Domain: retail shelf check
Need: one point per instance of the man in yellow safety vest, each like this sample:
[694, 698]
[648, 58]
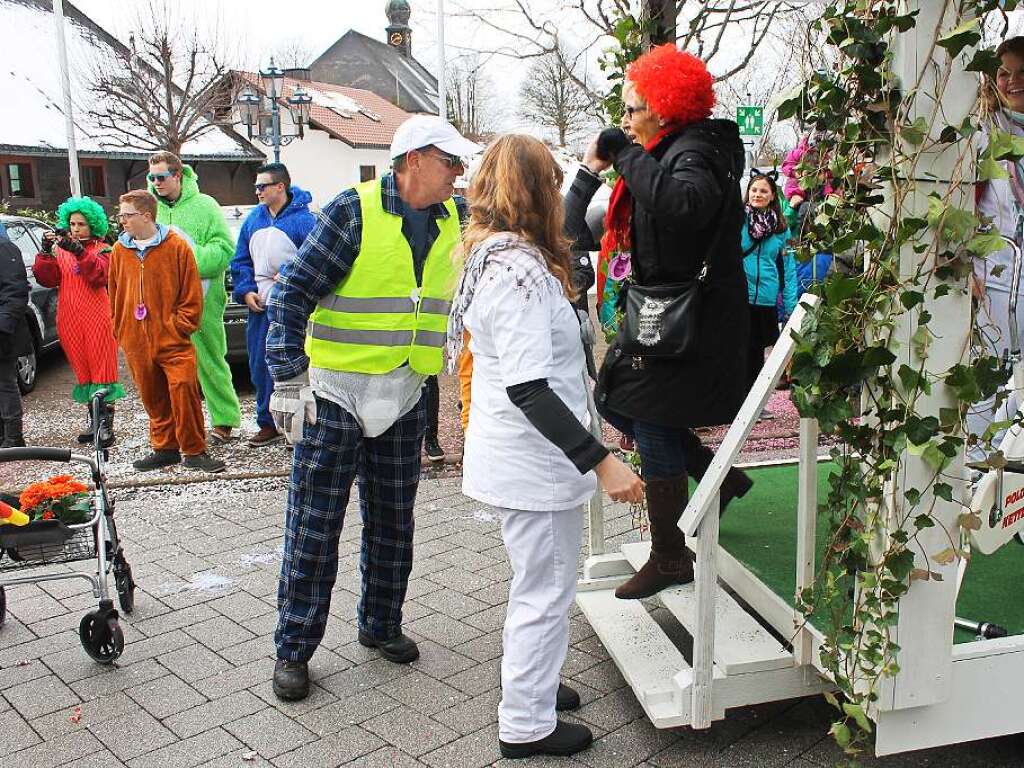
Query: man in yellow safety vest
[357, 322]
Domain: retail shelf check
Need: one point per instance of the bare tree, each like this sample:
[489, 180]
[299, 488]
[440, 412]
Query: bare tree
[530, 28]
[468, 89]
[551, 96]
[293, 53]
[165, 87]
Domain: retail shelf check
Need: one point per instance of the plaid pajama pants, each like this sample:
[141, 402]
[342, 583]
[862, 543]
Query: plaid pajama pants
[332, 452]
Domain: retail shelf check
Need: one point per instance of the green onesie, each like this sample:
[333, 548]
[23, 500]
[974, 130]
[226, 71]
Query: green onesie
[200, 217]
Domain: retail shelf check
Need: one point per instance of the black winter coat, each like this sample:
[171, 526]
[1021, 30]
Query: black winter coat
[687, 210]
[14, 289]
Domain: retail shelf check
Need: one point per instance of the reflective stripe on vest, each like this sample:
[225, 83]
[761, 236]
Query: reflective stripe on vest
[378, 318]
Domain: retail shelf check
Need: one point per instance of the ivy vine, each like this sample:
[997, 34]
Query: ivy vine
[845, 371]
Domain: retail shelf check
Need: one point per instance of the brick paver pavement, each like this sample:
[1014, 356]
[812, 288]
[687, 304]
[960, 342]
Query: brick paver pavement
[193, 685]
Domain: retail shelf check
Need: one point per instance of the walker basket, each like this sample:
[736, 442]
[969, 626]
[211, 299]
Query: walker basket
[44, 542]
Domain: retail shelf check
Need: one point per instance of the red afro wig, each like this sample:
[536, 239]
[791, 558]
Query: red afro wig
[675, 84]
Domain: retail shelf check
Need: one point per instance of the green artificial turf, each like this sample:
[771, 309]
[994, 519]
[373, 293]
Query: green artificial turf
[760, 531]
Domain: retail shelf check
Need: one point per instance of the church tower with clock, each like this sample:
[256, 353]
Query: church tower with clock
[399, 35]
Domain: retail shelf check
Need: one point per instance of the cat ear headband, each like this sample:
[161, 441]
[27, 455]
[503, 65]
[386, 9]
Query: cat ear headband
[772, 174]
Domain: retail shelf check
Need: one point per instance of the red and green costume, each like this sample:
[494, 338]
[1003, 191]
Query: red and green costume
[83, 315]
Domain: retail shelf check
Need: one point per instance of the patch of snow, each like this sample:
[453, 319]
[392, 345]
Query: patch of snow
[30, 85]
[200, 582]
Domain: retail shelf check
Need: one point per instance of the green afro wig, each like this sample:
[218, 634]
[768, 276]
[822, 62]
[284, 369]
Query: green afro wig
[89, 208]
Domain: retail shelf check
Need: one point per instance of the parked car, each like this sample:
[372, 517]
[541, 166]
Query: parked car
[235, 314]
[27, 234]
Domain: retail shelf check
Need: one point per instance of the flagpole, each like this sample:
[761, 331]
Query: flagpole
[442, 96]
[65, 84]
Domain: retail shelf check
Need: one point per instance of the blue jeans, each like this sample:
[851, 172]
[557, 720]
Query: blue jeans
[256, 328]
[662, 449]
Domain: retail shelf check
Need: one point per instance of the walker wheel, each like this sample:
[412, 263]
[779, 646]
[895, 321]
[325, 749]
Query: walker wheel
[125, 584]
[3, 606]
[101, 637]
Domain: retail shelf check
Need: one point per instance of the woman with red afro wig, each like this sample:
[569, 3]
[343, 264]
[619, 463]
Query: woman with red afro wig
[674, 217]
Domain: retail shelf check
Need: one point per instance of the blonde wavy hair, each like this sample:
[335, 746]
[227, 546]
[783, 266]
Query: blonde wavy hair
[517, 188]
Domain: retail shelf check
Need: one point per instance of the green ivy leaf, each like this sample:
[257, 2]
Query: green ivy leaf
[900, 564]
[915, 132]
[984, 61]
[841, 733]
[965, 35]
[984, 243]
[989, 169]
[943, 491]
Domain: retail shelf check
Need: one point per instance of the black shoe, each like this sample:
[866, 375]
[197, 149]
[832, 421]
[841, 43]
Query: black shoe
[399, 649]
[204, 462]
[16, 441]
[433, 449]
[566, 739]
[566, 699]
[735, 486]
[157, 460]
[85, 438]
[291, 680]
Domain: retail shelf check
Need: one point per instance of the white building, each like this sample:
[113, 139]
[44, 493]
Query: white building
[346, 141]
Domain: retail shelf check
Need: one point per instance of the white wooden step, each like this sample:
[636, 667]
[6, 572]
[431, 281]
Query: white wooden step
[643, 653]
[742, 645]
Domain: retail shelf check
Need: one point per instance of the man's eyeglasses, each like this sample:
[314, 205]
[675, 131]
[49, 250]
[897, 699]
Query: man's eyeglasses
[163, 176]
[261, 187]
[630, 111]
[122, 217]
[450, 160]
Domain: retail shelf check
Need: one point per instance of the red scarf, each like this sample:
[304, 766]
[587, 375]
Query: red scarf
[618, 220]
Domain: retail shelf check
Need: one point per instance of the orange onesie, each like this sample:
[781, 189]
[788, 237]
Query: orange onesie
[155, 304]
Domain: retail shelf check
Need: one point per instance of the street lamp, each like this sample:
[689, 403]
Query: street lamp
[250, 108]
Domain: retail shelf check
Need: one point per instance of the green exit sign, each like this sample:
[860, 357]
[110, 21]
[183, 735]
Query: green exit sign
[751, 120]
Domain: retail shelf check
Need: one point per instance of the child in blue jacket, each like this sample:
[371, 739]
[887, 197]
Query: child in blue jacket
[270, 238]
[769, 265]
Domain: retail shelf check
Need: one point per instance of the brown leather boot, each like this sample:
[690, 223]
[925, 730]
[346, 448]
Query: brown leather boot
[670, 562]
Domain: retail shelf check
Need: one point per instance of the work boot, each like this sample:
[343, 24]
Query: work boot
[433, 449]
[13, 437]
[204, 462]
[158, 460]
[107, 427]
[566, 739]
[399, 649]
[291, 680]
[266, 436]
[85, 438]
[670, 562]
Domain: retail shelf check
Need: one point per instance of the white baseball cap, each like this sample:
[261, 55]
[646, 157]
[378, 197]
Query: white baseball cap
[421, 131]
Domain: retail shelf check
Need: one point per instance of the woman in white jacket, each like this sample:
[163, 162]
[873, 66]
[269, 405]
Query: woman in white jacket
[528, 450]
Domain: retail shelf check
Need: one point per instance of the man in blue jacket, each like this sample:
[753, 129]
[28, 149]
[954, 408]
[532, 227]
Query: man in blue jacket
[270, 237]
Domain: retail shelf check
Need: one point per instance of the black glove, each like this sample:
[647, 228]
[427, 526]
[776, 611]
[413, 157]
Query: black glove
[72, 246]
[610, 142]
[48, 240]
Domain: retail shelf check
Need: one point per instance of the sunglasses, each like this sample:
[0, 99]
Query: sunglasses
[633, 110]
[261, 187]
[155, 177]
[450, 160]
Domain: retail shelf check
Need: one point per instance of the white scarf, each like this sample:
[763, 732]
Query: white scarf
[531, 276]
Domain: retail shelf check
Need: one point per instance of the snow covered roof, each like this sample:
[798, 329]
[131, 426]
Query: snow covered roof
[361, 119]
[30, 92]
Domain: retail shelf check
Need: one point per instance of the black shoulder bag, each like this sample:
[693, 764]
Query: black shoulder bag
[663, 320]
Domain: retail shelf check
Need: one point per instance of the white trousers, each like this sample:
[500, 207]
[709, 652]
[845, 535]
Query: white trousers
[994, 326]
[543, 548]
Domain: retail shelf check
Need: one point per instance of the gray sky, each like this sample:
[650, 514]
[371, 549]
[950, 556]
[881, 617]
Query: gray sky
[262, 24]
